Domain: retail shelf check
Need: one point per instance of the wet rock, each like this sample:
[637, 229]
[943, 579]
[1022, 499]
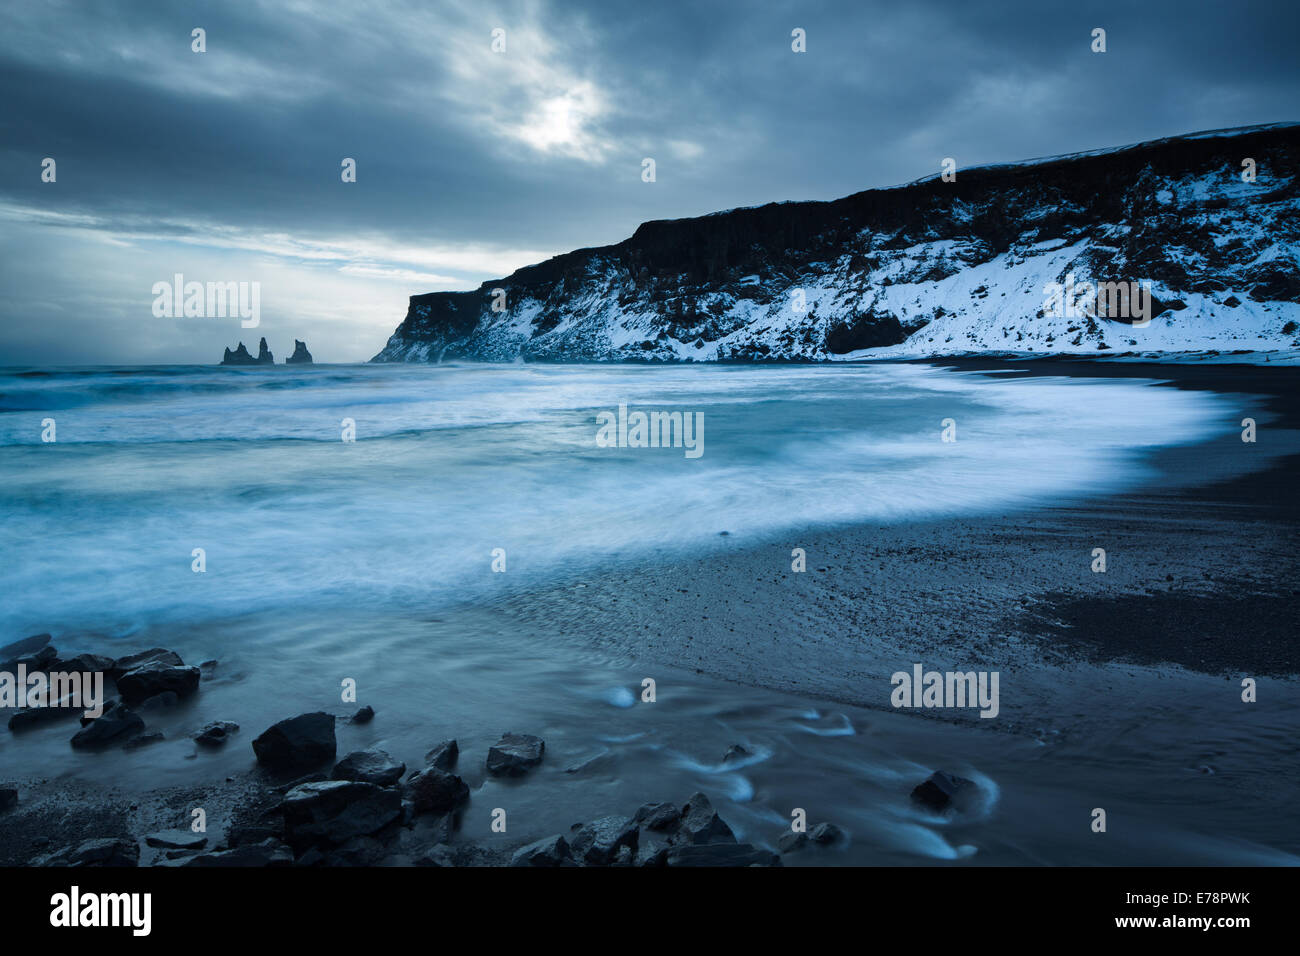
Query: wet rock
[598, 843]
[701, 823]
[176, 840]
[334, 811]
[369, 766]
[216, 733]
[39, 661]
[266, 853]
[551, 851]
[944, 791]
[359, 851]
[155, 654]
[38, 716]
[735, 752]
[721, 854]
[85, 664]
[250, 833]
[300, 354]
[791, 842]
[515, 754]
[103, 852]
[436, 791]
[827, 834]
[297, 742]
[115, 726]
[143, 740]
[156, 677]
[8, 798]
[28, 645]
[659, 816]
[239, 356]
[264, 356]
[363, 716]
[443, 755]
[208, 669]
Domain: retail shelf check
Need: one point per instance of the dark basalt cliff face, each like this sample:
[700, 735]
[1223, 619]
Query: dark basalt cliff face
[240, 355]
[931, 267]
[300, 354]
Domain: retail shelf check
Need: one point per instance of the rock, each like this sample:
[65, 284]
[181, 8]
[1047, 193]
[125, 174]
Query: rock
[943, 791]
[176, 840]
[8, 798]
[659, 816]
[297, 742]
[334, 811]
[39, 661]
[515, 754]
[132, 661]
[436, 791]
[266, 853]
[721, 854]
[36, 716]
[143, 740]
[551, 851]
[216, 733]
[239, 356]
[735, 752]
[108, 706]
[363, 716]
[114, 726]
[827, 834]
[247, 834]
[208, 668]
[701, 823]
[359, 851]
[300, 354]
[104, 852]
[28, 645]
[156, 677]
[791, 841]
[443, 755]
[369, 766]
[1232, 302]
[264, 356]
[86, 664]
[598, 843]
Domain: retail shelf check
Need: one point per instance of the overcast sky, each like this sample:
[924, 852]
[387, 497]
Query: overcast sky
[225, 165]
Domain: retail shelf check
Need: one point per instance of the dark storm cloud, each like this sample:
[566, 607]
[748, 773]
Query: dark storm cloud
[472, 163]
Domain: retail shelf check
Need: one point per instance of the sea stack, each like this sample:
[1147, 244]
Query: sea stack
[300, 354]
[264, 356]
[239, 356]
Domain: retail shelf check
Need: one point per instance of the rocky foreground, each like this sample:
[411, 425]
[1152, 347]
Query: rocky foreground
[306, 806]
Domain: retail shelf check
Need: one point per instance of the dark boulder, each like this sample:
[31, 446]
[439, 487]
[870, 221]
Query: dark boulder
[701, 823]
[176, 840]
[659, 816]
[114, 726]
[131, 661]
[154, 678]
[8, 798]
[443, 755]
[514, 755]
[216, 733]
[143, 740]
[28, 645]
[297, 742]
[436, 791]
[944, 791]
[267, 853]
[334, 811]
[369, 766]
[363, 716]
[85, 664]
[598, 843]
[551, 851]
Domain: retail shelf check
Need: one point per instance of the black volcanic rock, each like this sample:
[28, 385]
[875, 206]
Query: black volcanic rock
[942, 791]
[264, 356]
[514, 755]
[300, 354]
[154, 678]
[929, 267]
[297, 743]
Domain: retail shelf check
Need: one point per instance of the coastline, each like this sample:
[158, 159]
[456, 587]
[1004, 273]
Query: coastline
[1158, 638]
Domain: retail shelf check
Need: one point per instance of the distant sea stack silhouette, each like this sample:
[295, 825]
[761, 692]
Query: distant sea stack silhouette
[300, 354]
[240, 356]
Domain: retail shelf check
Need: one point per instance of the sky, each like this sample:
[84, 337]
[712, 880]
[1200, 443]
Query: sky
[226, 165]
